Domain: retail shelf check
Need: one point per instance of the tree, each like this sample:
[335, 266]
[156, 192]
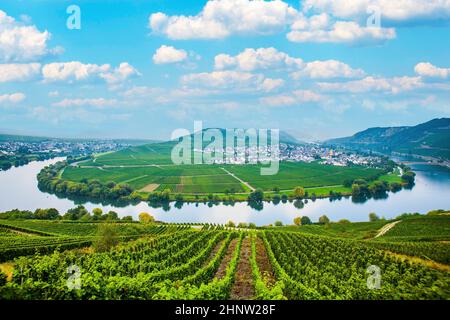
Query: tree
[252, 225]
[75, 213]
[97, 213]
[144, 217]
[324, 220]
[106, 238]
[231, 224]
[111, 216]
[373, 217]
[86, 217]
[127, 218]
[299, 192]
[348, 183]
[409, 177]
[242, 225]
[278, 223]
[299, 204]
[306, 220]
[343, 221]
[256, 196]
[298, 221]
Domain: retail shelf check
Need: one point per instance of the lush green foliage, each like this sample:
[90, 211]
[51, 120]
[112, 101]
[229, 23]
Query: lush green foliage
[314, 267]
[420, 228]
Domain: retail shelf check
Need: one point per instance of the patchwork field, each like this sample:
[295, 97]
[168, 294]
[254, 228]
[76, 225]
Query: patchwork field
[213, 179]
[308, 175]
[180, 179]
[149, 168]
[158, 153]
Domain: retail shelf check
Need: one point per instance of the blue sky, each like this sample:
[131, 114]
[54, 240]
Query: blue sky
[141, 69]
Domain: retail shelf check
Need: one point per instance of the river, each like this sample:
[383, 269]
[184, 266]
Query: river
[18, 189]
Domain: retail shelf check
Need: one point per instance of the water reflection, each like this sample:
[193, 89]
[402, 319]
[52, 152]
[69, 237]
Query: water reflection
[18, 189]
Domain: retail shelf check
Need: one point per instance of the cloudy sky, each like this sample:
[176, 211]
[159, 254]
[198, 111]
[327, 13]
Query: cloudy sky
[315, 68]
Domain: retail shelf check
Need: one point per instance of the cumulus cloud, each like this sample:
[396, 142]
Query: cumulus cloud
[12, 98]
[295, 97]
[373, 84]
[169, 54]
[94, 102]
[426, 69]
[321, 28]
[77, 71]
[221, 18]
[257, 59]
[274, 60]
[19, 72]
[327, 69]
[231, 80]
[393, 11]
[20, 42]
[123, 72]
[272, 84]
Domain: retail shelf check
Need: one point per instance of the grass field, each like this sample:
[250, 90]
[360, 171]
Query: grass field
[307, 175]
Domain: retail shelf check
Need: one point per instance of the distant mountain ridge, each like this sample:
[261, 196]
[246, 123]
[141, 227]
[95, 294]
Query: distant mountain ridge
[429, 139]
[284, 137]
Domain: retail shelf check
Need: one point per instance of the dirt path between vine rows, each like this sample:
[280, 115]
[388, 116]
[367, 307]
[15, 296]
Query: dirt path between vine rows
[226, 260]
[263, 262]
[214, 252]
[243, 287]
[386, 228]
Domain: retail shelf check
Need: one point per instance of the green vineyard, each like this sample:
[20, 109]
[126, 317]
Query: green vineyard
[212, 262]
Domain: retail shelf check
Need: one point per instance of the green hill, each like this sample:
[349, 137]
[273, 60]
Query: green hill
[429, 139]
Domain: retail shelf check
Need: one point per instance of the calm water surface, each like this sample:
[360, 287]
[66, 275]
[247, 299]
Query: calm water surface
[18, 189]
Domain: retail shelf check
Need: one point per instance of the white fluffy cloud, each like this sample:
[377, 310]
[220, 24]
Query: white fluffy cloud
[327, 69]
[426, 69]
[272, 84]
[20, 42]
[321, 28]
[231, 80]
[169, 54]
[77, 71]
[95, 102]
[74, 70]
[257, 59]
[123, 72]
[221, 18]
[12, 98]
[19, 72]
[295, 97]
[274, 60]
[372, 84]
[392, 10]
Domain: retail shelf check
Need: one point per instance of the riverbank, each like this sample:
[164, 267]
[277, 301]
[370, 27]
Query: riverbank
[429, 192]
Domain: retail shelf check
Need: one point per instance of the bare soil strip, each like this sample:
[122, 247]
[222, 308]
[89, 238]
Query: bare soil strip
[263, 262]
[243, 287]
[150, 187]
[226, 260]
[214, 252]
